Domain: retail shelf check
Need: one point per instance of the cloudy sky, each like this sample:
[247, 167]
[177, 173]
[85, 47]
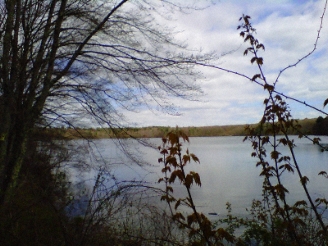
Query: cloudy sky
[288, 30]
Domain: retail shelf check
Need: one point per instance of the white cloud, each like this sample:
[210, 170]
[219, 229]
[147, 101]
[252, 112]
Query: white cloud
[288, 30]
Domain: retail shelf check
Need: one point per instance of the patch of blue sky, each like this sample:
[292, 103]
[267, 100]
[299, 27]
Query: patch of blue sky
[320, 53]
[301, 111]
[282, 26]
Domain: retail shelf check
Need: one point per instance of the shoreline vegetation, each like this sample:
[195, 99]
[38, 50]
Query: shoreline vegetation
[314, 126]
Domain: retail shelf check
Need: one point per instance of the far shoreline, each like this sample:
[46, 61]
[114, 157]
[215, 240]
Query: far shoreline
[307, 127]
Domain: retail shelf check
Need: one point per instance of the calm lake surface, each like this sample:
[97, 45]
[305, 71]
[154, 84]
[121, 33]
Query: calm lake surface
[227, 170]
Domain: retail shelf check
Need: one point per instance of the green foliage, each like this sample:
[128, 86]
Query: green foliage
[321, 126]
[34, 212]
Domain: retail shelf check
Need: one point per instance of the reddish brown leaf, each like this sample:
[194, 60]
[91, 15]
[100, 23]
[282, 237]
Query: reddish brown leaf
[188, 181]
[194, 158]
[256, 76]
[177, 204]
[197, 178]
[325, 102]
[304, 180]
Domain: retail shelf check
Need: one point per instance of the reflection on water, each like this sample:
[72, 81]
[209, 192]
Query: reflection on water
[226, 168]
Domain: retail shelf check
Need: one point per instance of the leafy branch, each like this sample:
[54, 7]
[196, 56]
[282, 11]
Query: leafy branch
[277, 119]
[200, 227]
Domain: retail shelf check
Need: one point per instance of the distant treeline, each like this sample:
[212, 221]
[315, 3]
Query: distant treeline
[313, 126]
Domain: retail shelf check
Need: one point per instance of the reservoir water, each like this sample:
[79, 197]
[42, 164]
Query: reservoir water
[228, 172]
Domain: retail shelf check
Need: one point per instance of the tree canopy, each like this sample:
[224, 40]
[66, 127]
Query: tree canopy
[66, 60]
